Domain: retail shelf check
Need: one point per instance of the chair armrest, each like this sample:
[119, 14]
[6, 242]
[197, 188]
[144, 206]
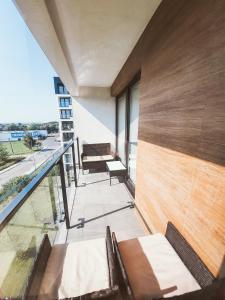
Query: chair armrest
[111, 259]
[38, 269]
[114, 291]
[129, 292]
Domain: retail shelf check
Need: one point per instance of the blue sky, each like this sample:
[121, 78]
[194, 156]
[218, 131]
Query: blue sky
[26, 76]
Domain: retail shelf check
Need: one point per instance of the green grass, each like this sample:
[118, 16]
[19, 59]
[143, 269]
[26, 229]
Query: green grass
[22, 236]
[15, 148]
[10, 162]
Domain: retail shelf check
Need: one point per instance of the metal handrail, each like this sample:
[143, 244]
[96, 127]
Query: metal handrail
[9, 211]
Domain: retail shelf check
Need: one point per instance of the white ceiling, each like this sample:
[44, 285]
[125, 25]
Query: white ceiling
[96, 36]
[100, 34]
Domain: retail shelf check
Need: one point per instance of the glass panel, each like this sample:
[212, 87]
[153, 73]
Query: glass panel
[20, 239]
[61, 89]
[12, 187]
[121, 128]
[69, 178]
[133, 131]
[65, 102]
[66, 113]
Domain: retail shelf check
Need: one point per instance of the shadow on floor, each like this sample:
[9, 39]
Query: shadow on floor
[85, 184]
[83, 221]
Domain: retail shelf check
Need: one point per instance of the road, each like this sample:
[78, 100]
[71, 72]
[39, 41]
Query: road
[30, 163]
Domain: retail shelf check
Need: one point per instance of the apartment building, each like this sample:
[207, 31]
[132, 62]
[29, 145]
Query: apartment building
[66, 120]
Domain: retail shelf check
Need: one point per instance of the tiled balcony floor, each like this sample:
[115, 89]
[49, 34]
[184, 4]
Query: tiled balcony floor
[97, 204]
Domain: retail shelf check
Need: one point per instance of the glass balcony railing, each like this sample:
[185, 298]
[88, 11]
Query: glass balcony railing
[39, 208]
[67, 138]
[69, 127]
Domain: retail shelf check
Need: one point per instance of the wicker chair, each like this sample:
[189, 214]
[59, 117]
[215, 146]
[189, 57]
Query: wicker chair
[95, 156]
[35, 283]
[209, 286]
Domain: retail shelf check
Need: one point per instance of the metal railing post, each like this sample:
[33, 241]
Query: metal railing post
[78, 152]
[63, 184]
[74, 165]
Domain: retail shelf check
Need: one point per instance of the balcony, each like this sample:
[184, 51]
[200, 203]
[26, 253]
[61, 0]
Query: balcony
[67, 136]
[97, 205]
[67, 205]
[157, 97]
[67, 126]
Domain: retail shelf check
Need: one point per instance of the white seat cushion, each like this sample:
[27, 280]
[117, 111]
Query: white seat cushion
[154, 268]
[98, 158]
[75, 269]
[167, 266]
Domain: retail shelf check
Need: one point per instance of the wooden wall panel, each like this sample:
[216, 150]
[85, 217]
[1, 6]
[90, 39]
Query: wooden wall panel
[181, 150]
[187, 191]
[183, 83]
[148, 39]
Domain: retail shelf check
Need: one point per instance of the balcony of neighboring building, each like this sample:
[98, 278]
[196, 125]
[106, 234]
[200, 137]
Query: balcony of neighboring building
[67, 136]
[67, 126]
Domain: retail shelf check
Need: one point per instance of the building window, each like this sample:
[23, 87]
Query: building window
[67, 158]
[66, 113]
[65, 102]
[133, 131]
[67, 125]
[61, 89]
[121, 134]
[67, 136]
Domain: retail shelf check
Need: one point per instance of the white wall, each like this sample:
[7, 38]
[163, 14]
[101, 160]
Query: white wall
[94, 116]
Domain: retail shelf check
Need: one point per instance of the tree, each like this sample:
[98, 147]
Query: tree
[35, 126]
[4, 155]
[15, 184]
[29, 141]
[12, 127]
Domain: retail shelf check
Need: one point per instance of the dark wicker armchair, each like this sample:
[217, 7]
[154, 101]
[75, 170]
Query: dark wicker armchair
[43, 284]
[209, 287]
[95, 156]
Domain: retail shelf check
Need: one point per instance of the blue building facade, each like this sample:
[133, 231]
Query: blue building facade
[19, 135]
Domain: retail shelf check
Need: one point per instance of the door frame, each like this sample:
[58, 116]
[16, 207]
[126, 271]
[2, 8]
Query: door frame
[130, 185]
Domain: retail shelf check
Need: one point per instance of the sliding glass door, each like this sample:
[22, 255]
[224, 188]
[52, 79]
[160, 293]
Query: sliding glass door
[127, 129]
[121, 127]
[133, 131]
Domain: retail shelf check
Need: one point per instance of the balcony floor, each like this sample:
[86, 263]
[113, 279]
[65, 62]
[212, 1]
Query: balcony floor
[95, 204]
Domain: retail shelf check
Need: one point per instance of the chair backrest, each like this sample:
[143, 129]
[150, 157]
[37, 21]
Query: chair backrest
[38, 269]
[96, 149]
[189, 257]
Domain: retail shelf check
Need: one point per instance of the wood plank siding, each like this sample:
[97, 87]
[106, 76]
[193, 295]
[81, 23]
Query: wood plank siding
[181, 148]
